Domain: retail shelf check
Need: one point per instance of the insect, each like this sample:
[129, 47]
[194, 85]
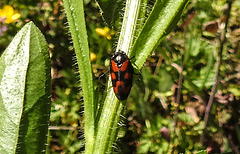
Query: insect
[122, 72]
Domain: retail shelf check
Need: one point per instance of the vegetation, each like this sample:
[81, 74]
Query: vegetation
[186, 92]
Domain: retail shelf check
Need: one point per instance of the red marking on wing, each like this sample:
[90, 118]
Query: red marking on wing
[114, 66]
[127, 75]
[113, 76]
[118, 83]
[125, 65]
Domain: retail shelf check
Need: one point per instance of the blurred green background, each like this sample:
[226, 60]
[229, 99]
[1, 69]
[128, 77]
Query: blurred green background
[148, 124]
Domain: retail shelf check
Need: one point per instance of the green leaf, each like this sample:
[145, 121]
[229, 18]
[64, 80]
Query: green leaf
[202, 53]
[75, 15]
[202, 152]
[25, 91]
[161, 21]
[109, 10]
[186, 118]
[234, 89]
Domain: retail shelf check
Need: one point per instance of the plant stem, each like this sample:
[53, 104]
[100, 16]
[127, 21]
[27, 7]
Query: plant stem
[175, 118]
[110, 114]
[219, 60]
[128, 26]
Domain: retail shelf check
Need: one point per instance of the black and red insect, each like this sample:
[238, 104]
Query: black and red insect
[122, 72]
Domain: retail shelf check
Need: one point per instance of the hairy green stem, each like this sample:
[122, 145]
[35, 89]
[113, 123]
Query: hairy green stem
[112, 108]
